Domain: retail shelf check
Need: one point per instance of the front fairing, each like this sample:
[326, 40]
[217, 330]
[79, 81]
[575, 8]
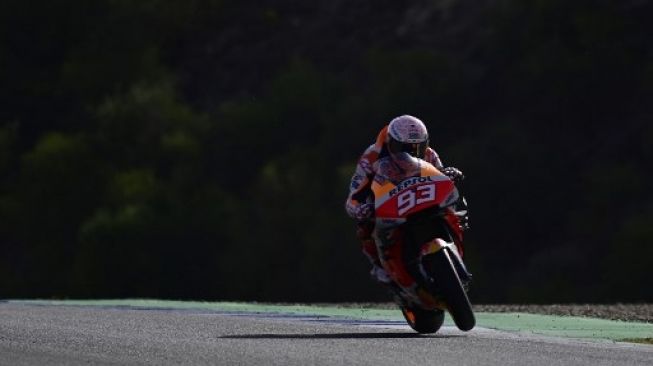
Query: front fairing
[394, 203]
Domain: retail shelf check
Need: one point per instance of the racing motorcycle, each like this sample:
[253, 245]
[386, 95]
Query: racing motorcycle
[419, 235]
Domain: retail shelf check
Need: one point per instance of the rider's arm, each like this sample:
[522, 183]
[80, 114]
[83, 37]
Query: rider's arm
[454, 173]
[432, 157]
[361, 182]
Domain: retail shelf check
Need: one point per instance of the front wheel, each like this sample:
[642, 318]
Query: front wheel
[447, 284]
[423, 321]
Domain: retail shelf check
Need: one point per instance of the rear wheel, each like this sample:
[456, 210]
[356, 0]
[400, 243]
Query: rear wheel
[423, 321]
[447, 284]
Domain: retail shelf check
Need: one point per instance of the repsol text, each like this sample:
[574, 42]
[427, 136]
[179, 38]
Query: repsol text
[409, 182]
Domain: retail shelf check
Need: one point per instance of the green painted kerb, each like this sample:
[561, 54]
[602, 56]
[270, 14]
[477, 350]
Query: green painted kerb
[567, 326]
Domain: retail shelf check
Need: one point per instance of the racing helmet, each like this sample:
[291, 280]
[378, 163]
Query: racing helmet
[407, 134]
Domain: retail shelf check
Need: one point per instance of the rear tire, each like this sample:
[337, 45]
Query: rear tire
[423, 321]
[447, 284]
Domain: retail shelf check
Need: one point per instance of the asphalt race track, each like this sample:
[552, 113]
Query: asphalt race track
[79, 335]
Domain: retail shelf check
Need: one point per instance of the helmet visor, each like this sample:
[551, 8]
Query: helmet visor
[414, 149]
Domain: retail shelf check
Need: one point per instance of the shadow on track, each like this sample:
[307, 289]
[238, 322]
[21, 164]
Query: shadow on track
[337, 336]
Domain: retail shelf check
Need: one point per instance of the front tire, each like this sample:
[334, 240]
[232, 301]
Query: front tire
[447, 284]
[423, 321]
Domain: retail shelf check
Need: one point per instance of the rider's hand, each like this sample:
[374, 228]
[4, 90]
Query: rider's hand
[364, 211]
[453, 173]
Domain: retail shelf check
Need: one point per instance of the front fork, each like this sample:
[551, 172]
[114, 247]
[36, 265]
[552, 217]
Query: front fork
[437, 245]
[452, 218]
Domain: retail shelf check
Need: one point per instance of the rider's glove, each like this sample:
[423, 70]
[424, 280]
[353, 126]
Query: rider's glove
[453, 173]
[364, 211]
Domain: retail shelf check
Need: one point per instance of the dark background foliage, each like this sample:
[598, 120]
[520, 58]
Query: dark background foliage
[202, 149]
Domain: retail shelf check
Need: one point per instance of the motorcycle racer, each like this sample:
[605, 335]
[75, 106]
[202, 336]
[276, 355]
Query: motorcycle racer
[403, 135]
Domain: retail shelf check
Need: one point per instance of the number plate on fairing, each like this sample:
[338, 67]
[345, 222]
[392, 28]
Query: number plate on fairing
[412, 195]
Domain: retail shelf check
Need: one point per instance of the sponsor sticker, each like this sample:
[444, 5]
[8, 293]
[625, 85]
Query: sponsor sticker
[409, 182]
